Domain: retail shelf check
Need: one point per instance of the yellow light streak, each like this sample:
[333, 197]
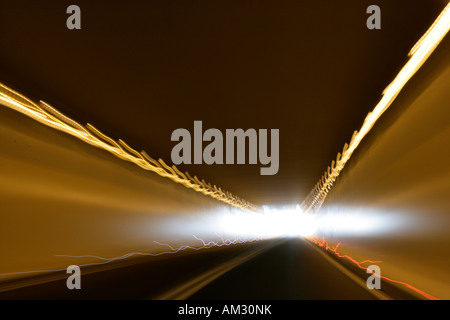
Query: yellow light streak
[418, 55]
[48, 115]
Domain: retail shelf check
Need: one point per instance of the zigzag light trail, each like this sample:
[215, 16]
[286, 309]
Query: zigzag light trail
[206, 245]
[173, 250]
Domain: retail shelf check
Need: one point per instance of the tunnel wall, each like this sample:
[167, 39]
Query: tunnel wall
[61, 196]
[396, 188]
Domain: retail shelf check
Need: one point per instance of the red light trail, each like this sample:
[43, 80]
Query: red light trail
[324, 244]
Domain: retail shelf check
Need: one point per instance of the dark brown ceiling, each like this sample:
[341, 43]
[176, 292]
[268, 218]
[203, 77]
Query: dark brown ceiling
[140, 69]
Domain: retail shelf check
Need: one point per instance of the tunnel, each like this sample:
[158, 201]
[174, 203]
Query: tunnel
[225, 151]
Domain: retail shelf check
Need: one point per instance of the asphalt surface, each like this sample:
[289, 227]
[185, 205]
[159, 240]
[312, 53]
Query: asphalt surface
[292, 269]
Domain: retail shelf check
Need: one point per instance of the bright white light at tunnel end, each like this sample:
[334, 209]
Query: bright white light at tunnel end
[272, 222]
[291, 221]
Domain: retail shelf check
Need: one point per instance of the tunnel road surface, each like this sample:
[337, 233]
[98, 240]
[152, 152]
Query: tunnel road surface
[290, 269]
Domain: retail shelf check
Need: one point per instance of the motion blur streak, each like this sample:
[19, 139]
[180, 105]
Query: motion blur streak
[418, 55]
[322, 243]
[49, 116]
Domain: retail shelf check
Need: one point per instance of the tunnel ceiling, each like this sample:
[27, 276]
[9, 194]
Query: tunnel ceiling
[141, 69]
